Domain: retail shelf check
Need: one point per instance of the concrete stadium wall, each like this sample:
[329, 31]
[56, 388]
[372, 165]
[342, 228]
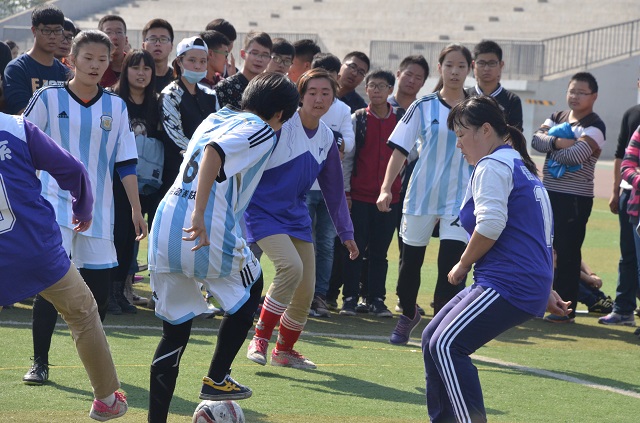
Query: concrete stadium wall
[617, 86]
[617, 91]
[17, 27]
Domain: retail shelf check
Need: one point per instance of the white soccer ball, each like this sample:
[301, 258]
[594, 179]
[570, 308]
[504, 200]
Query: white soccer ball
[218, 412]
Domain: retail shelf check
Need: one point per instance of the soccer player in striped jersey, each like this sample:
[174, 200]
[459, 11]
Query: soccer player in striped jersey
[435, 189]
[221, 169]
[507, 213]
[30, 235]
[93, 125]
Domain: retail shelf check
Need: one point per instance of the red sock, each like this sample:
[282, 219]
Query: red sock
[269, 317]
[288, 333]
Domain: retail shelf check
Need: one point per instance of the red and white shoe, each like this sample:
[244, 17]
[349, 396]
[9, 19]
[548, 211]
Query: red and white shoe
[257, 351]
[292, 359]
[103, 412]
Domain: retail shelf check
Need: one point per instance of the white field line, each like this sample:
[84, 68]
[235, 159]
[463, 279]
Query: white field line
[480, 358]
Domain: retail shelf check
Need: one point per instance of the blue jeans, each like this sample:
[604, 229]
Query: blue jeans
[589, 295]
[625, 302]
[323, 233]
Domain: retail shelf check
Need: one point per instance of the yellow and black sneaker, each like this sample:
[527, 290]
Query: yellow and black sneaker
[228, 389]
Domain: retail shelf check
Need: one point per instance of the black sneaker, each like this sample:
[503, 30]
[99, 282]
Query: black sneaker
[603, 306]
[228, 389]
[349, 306]
[37, 374]
[379, 308]
[332, 303]
[362, 307]
[127, 307]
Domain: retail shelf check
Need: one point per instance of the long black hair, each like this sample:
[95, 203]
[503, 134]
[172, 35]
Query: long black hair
[123, 89]
[476, 111]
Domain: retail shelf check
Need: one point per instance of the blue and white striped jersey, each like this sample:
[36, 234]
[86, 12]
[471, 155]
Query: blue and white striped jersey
[440, 177]
[245, 143]
[98, 134]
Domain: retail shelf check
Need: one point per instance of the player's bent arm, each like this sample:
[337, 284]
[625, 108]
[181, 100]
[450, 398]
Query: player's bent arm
[478, 246]
[209, 169]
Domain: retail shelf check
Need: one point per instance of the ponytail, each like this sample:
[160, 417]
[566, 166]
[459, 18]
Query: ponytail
[519, 143]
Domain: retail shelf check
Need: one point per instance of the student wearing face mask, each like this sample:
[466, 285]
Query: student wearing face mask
[184, 104]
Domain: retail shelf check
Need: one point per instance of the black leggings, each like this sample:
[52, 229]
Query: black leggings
[45, 316]
[409, 275]
[166, 360]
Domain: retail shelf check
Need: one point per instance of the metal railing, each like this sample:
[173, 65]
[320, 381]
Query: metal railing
[531, 60]
[583, 49]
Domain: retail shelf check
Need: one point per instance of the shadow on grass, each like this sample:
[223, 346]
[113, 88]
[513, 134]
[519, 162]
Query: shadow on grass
[348, 386]
[586, 377]
[586, 327]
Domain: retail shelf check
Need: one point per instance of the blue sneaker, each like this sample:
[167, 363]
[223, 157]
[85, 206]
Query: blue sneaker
[402, 332]
[618, 319]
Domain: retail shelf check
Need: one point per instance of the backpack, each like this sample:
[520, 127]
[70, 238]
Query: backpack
[150, 164]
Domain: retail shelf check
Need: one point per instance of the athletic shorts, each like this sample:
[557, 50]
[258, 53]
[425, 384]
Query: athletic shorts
[416, 230]
[179, 297]
[87, 252]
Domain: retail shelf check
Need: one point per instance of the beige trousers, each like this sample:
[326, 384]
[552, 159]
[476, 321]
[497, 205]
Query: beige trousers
[295, 279]
[74, 301]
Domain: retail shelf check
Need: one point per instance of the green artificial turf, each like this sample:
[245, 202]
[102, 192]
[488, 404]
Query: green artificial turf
[537, 372]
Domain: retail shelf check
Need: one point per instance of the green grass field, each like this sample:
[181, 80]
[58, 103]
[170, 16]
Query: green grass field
[537, 372]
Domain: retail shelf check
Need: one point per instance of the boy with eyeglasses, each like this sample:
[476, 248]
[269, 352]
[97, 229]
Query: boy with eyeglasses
[218, 45]
[364, 168]
[282, 55]
[64, 48]
[158, 40]
[355, 66]
[487, 68]
[256, 54]
[38, 67]
[571, 189]
[116, 29]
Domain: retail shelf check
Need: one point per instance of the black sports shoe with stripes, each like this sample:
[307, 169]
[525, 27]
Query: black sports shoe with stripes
[37, 374]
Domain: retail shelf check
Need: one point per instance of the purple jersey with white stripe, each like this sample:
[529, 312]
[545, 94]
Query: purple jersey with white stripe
[31, 253]
[519, 265]
[278, 206]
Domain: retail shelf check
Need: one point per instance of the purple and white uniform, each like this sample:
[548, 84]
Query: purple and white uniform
[32, 257]
[278, 205]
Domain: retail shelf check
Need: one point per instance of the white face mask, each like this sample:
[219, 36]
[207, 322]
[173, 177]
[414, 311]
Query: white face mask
[193, 77]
